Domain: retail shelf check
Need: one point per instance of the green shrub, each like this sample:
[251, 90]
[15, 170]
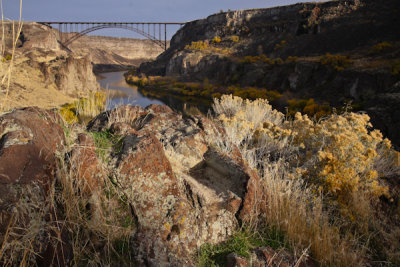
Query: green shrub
[241, 244]
[105, 141]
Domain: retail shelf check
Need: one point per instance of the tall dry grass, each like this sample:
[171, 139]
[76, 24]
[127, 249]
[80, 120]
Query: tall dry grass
[7, 64]
[91, 222]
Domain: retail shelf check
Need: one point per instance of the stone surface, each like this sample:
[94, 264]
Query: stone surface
[29, 141]
[86, 165]
[234, 260]
[183, 192]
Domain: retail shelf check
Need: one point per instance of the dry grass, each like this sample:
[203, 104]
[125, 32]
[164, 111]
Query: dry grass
[7, 64]
[94, 225]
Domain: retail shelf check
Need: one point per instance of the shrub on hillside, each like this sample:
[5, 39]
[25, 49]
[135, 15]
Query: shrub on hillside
[200, 45]
[235, 38]
[379, 47]
[322, 179]
[216, 40]
[338, 62]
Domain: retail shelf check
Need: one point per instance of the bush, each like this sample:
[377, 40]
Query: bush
[241, 244]
[291, 59]
[216, 40]
[280, 45]
[200, 45]
[379, 48]
[395, 68]
[322, 180]
[338, 62]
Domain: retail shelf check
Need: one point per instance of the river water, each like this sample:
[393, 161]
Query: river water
[121, 93]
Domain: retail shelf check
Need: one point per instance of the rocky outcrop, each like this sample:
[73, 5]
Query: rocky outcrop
[305, 32]
[104, 52]
[108, 52]
[183, 192]
[32, 36]
[48, 78]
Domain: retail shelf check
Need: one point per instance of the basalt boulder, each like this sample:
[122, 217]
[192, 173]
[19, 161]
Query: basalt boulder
[183, 192]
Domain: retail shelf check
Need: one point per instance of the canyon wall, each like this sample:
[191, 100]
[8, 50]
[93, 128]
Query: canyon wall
[41, 73]
[116, 51]
[337, 52]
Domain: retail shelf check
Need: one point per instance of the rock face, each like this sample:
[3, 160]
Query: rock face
[29, 139]
[306, 31]
[48, 78]
[183, 192]
[103, 51]
[112, 51]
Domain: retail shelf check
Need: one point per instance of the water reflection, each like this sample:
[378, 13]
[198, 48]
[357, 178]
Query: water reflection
[121, 93]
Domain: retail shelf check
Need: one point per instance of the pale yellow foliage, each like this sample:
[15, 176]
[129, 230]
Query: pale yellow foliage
[310, 169]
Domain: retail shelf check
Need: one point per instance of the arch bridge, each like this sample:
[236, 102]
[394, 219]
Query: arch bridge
[71, 31]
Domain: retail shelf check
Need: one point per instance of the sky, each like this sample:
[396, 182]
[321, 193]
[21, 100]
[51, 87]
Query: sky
[127, 10]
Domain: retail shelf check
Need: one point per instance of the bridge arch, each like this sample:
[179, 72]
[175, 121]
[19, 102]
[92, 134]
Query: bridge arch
[67, 28]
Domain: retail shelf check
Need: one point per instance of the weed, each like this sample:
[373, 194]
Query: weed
[105, 141]
[240, 243]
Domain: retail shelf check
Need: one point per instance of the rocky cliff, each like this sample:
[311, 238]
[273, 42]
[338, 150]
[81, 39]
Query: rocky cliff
[286, 49]
[42, 74]
[108, 51]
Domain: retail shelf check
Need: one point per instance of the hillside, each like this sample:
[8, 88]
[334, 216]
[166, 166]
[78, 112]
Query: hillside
[326, 54]
[113, 52]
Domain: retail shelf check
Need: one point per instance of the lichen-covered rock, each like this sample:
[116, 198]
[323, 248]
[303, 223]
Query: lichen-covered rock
[29, 140]
[86, 165]
[183, 193]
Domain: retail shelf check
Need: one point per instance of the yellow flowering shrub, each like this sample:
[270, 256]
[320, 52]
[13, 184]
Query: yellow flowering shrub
[200, 45]
[235, 38]
[216, 39]
[337, 154]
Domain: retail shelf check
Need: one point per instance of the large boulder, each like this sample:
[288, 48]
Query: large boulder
[182, 191]
[29, 141]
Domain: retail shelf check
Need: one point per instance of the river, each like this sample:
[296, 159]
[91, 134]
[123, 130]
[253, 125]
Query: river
[121, 93]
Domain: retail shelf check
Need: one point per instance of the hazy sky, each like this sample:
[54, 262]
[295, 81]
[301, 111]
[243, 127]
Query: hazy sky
[127, 10]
